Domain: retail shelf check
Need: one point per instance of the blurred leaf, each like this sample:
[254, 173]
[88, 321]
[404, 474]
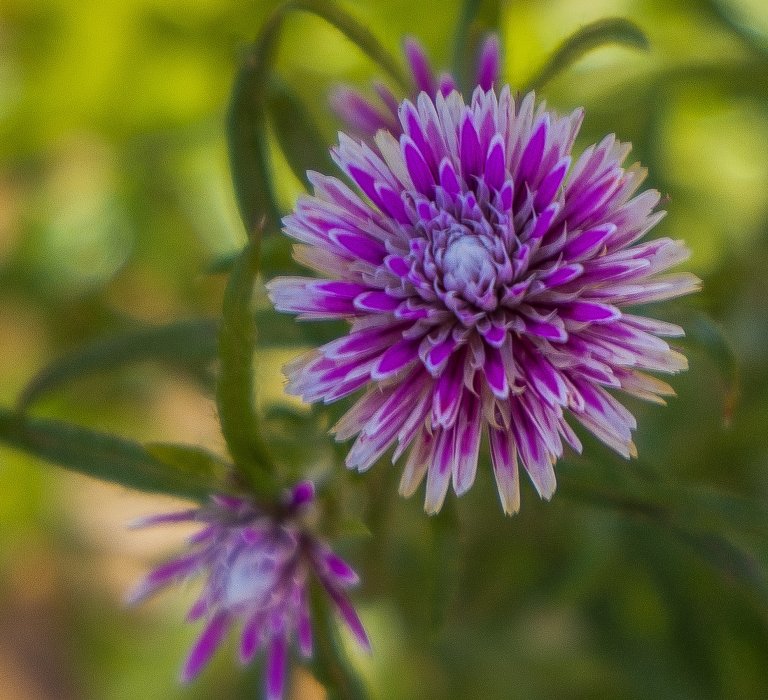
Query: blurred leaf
[735, 564]
[104, 456]
[235, 395]
[351, 527]
[728, 15]
[195, 461]
[248, 151]
[593, 36]
[298, 135]
[717, 525]
[189, 345]
[703, 332]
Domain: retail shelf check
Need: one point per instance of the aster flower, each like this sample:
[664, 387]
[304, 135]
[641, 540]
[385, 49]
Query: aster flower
[365, 118]
[257, 570]
[487, 280]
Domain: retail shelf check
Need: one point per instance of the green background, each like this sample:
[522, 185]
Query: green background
[114, 199]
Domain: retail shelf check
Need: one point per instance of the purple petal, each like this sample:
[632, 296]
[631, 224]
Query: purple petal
[591, 312]
[340, 570]
[488, 65]
[277, 659]
[349, 615]
[504, 458]
[376, 302]
[397, 358]
[471, 156]
[449, 181]
[495, 373]
[301, 494]
[531, 158]
[205, 646]
[495, 163]
[417, 167]
[420, 68]
[251, 638]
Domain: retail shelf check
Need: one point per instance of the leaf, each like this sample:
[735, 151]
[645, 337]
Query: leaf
[352, 528]
[189, 345]
[703, 332]
[717, 525]
[734, 19]
[195, 461]
[248, 151]
[593, 36]
[298, 135]
[104, 456]
[732, 561]
[235, 394]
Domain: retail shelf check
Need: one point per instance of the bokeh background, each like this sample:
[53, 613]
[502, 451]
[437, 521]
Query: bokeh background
[115, 198]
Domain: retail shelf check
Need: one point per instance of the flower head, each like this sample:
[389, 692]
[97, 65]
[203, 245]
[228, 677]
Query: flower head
[487, 280]
[365, 118]
[257, 570]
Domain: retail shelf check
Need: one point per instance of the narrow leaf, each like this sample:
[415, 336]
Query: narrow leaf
[736, 565]
[188, 345]
[703, 332]
[604, 32]
[190, 459]
[104, 456]
[298, 135]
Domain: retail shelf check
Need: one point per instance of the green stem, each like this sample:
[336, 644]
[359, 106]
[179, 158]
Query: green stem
[235, 392]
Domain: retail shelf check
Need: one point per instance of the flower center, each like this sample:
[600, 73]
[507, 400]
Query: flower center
[251, 578]
[467, 265]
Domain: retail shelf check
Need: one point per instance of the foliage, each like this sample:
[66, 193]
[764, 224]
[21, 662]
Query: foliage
[639, 580]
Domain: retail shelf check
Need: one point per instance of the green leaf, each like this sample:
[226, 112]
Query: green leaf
[734, 563]
[719, 526]
[593, 36]
[729, 15]
[190, 459]
[188, 345]
[248, 151]
[235, 393]
[703, 332]
[298, 135]
[104, 456]
[352, 528]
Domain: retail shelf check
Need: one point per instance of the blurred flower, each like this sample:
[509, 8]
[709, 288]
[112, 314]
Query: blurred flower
[256, 570]
[365, 118]
[486, 280]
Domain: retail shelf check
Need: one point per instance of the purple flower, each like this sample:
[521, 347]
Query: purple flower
[257, 571]
[487, 280]
[365, 118]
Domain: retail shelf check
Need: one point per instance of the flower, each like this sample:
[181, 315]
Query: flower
[487, 280]
[257, 569]
[365, 118]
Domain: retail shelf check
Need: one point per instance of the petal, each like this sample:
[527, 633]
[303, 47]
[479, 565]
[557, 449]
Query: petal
[504, 459]
[205, 646]
[276, 667]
